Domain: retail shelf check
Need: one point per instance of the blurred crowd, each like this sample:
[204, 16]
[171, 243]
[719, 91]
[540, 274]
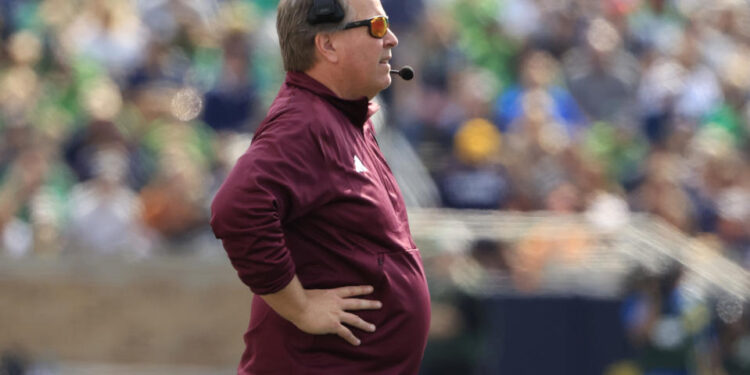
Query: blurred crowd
[119, 119]
[586, 106]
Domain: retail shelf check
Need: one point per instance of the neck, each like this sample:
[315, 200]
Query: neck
[334, 80]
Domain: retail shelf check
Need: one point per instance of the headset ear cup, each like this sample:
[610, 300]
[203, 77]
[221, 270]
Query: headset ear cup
[325, 11]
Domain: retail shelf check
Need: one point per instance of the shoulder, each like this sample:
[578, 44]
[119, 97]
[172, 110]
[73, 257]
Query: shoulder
[295, 113]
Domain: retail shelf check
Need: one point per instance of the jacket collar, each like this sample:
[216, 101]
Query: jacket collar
[357, 111]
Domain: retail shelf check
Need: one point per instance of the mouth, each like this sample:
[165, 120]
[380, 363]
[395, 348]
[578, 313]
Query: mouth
[386, 61]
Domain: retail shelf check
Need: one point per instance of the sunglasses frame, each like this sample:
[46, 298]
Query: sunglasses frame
[368, 22]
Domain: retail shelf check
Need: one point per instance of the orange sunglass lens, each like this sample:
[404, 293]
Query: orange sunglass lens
[379, 26]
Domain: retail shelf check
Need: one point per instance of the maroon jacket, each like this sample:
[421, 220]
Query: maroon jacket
[314, 196]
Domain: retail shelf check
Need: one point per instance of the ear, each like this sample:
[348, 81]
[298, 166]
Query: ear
[326, 47]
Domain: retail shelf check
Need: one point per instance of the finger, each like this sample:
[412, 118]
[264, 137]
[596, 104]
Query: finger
[360, 304]
[347, 335]
[355, 290]
[357, 322]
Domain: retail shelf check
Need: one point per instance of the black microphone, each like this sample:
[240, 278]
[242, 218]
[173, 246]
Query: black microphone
[406, 73]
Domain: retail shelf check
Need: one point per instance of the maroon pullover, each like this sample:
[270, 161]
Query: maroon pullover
[313, 196]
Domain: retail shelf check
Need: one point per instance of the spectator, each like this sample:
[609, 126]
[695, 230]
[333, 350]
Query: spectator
[105, 213]
[539, 71]
[655, 316]
[601, 75]
[232, 103]
[475, 179]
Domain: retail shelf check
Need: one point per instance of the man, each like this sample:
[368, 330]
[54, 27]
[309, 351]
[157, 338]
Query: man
[311, 216]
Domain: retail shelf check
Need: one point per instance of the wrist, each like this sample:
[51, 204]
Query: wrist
[296, 313]
[291, 302]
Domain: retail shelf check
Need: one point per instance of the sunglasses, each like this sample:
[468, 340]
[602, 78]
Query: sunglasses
[377, 26]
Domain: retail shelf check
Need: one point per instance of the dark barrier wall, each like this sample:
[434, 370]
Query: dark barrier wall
[531, 336]
[555, 335]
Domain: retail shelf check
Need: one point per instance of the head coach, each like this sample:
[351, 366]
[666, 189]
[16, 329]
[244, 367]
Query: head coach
[311, 216]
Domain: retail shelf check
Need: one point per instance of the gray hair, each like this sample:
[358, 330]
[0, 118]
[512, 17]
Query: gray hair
[297, 37]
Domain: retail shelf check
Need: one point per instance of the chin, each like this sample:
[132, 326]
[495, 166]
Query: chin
[388, 81]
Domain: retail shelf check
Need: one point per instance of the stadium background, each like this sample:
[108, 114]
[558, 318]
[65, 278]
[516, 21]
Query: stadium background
[576, 170]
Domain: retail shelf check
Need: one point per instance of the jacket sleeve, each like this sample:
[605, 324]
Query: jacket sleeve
[279, 178]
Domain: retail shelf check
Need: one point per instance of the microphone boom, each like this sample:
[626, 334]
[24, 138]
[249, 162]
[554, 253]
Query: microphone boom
[406, 73]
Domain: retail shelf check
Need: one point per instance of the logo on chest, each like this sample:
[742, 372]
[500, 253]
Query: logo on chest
[358, 166]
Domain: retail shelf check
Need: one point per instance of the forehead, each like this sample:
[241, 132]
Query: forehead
[366, 8]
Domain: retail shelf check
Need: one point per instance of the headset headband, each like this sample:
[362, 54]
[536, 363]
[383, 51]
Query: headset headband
[325, 11]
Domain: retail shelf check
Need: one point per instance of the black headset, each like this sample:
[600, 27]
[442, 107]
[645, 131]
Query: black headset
[325, 11]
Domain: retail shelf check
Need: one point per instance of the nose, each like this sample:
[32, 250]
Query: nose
[390, 39]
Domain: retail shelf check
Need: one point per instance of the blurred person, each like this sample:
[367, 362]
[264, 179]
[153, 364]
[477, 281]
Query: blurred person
[454, 337]
[80, 147]
[538, 71]
[601, 75]
[735, 85]
[716, 167]
[22, 179]
[733, 224]
[590, 176]
[429, 113]
[537, 131]
[107, 119]
[701, 92]
[657, 93]
[474, 178]
[425, 110]
[174, 197]
[654, 24]
[620, 148]
[33, 198]
[20, 84]
[458, 335]
[15, 138]
[473, 89]
[662, 191]
[535, 144]
[312, 218]
[105, 214]
[681, 93]
[520, 19]
[232, 104]
[162, 62]
[723, 30]
[482, 38]
[162, 18]
[559, 29]
[109, 32]
[664, 326]
[151, 122]
[457, 94]
[435, 51]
